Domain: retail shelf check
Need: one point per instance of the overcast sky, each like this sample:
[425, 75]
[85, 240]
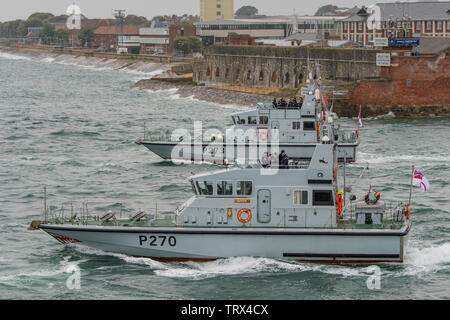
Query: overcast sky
[21, 9]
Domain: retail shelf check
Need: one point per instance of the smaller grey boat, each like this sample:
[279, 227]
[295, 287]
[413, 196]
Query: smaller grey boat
[269, 128]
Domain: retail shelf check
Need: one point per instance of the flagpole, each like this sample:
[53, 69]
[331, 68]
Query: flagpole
[411, 186]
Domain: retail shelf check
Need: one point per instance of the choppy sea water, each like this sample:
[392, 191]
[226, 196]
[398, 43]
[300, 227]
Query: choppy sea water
[71, 126]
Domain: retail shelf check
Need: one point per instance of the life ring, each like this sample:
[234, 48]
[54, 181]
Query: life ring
[249, 215]
[357, 133]
[263, 136]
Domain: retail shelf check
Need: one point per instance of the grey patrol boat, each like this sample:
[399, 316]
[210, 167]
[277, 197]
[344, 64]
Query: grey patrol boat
[289, 213]
[296, 130]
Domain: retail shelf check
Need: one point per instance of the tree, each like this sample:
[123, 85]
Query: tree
[195, 44]
[329, 8]
[58, 19]
[43, 16]
[34, 23]
[47, 33]
[61, 36]
[86, 36]
[181, 44]
[135, 20]
[188, 44]
[246, 11]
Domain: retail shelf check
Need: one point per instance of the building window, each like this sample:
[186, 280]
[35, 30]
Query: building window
[244, 188]
[360, 26]
[439, 25]
[261, 76]
[218, 6]
[429, 26]
[296, 125]
[418, 25]
[252, 120]
[351, 26]
[219, 13]
[300, 197]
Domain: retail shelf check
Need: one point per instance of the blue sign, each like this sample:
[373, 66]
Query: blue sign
[403, 42]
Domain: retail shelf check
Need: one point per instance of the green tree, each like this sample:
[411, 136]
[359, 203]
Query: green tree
[195, 44]
[181, 44]
[43, 16]
[61, 36]
[246, 11]
[188, 44]
[58, 19]
[47, 33]
[34, 23]
[86, 36]
[329, 8]
[158, 18]
[135, 20]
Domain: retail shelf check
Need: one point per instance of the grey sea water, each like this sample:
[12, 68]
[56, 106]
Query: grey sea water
[71, 126]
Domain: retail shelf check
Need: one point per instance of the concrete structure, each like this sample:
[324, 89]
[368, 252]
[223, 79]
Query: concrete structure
[282, 67]
[216, 9]
[276, 27]
[399, 19]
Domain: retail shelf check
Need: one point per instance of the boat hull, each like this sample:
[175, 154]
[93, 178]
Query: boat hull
[203, 244]
[227, 153]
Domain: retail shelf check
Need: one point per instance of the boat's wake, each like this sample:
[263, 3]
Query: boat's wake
[419, 261]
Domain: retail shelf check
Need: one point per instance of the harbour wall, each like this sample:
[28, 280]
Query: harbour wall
[281, 67]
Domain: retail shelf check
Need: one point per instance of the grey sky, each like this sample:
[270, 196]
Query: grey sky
[21, 9]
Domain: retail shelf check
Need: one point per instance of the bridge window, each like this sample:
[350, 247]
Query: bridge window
[217, 72]
[263, 120]
[244, 188]
[208, 72]
[309, 126]
[249, 75]
[261, 76]
[300, 197]
[224, 188]
[274, 77]
[296, 125]
[239, 120]
[286, 80]
[323, 198]
[252, 120]
[205, 188]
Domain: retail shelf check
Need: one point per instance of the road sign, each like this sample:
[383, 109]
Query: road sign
[403, 42]
[380, 42]
[383, 59]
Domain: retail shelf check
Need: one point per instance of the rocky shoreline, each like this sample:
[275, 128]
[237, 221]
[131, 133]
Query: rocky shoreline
[188, 89]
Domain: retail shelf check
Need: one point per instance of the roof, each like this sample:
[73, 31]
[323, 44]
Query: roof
[270, 20]
[93, 23]
[126, 29]
[426, 10]
[433, 45]
[299, 36]
[422, 10]
[340, 43]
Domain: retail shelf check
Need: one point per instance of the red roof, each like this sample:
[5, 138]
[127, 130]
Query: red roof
[127, 29]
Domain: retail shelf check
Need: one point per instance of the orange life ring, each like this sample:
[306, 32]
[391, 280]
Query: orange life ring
[249, 215]
[263, 136]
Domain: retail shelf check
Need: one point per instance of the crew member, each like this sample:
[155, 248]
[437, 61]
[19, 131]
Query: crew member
[284, 160]
[340, 203]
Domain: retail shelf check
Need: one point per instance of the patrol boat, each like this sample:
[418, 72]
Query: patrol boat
[294, 213]
[295, 130]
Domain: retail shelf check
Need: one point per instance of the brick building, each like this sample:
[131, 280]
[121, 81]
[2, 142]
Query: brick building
[110, 38]
[85, 23]
[179, 31]
[399, 19]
